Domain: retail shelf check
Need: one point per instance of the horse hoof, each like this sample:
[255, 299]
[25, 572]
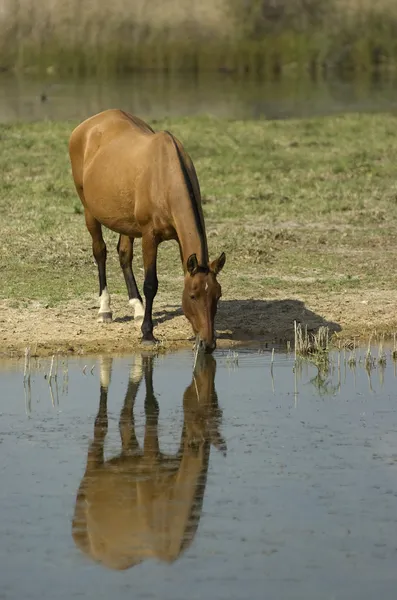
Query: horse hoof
[105, 317]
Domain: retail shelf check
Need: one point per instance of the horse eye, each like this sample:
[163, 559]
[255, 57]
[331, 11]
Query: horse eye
[192, 297]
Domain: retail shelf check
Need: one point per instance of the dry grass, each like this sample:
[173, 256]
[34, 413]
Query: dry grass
[74, 35]
[93, 21]
[255, 36]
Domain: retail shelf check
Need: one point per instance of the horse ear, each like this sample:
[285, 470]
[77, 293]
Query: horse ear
[217, 265]
[192, 264]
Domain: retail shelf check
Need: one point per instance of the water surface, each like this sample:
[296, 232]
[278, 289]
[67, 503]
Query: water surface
[296, 480]
[222, 95]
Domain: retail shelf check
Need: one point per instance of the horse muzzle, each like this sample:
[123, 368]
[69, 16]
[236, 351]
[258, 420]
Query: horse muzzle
[204, 346]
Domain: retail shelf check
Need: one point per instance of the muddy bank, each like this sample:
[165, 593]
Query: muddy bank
[72, 328]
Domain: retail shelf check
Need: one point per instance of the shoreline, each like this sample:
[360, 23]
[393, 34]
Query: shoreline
[71, 329]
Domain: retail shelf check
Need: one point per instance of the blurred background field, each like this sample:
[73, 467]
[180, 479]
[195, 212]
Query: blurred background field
[67, 59]
[255, 37]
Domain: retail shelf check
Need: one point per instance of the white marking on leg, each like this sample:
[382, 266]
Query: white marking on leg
[106, 371]
[136, 369]
[104, 300]
[138, 309]
[104, 313]
[206, 286]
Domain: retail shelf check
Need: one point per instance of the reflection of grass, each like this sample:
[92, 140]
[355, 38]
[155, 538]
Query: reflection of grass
[250, 37]
[289, 225]
[352, 360]
[326, 369]
[232, 358]
[323, 385]
[316, 349]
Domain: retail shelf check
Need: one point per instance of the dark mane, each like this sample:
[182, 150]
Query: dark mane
[193, 199]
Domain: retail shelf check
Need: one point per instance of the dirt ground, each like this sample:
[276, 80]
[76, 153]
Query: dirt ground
[73, 328]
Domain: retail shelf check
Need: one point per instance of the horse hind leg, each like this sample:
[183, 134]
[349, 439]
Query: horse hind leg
[125, 249]
[99, 252]
[150, 286]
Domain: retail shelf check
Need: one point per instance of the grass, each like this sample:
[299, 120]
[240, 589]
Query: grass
[297, 206]
[255, 37]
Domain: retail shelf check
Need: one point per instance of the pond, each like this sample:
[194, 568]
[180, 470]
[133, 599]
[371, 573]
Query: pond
[224, 96]
[133, 477]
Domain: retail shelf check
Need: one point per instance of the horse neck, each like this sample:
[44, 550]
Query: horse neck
[190, 229]
[201, 390]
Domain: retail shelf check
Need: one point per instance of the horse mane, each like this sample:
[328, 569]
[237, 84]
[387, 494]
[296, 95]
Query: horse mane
[137, 121]
[194, 197]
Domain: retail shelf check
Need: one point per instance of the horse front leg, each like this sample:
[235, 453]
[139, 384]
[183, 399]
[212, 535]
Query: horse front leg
[150, 286]
[127, 424]
[125, 249]
[151, 447]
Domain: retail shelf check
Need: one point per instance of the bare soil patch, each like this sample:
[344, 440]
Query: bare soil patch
[72, 328]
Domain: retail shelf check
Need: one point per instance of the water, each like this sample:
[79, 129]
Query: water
[296, 497]
[222, 96]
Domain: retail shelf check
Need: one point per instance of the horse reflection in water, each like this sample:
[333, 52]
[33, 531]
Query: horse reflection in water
[145, 504]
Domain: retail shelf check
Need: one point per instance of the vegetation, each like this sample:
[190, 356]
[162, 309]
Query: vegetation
[256, 37]
[296, 205]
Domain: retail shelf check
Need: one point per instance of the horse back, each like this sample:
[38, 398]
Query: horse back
[97, 133]
[132, 179]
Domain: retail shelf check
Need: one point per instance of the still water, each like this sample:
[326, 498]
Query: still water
[24, 98]
[129, 477]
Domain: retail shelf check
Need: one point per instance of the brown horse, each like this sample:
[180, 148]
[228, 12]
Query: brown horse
[144, 504]
[143, 184]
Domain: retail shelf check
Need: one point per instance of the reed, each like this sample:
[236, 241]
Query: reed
[381, 353]
[258, 38]
[313, 347]
[352, 360]
[394, 351]
[311, 343]
[26, 371]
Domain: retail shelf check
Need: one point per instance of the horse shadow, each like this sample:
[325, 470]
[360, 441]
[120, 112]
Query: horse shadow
[260, 320]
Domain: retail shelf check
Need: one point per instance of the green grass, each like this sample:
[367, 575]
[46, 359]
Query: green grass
[296, 205]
